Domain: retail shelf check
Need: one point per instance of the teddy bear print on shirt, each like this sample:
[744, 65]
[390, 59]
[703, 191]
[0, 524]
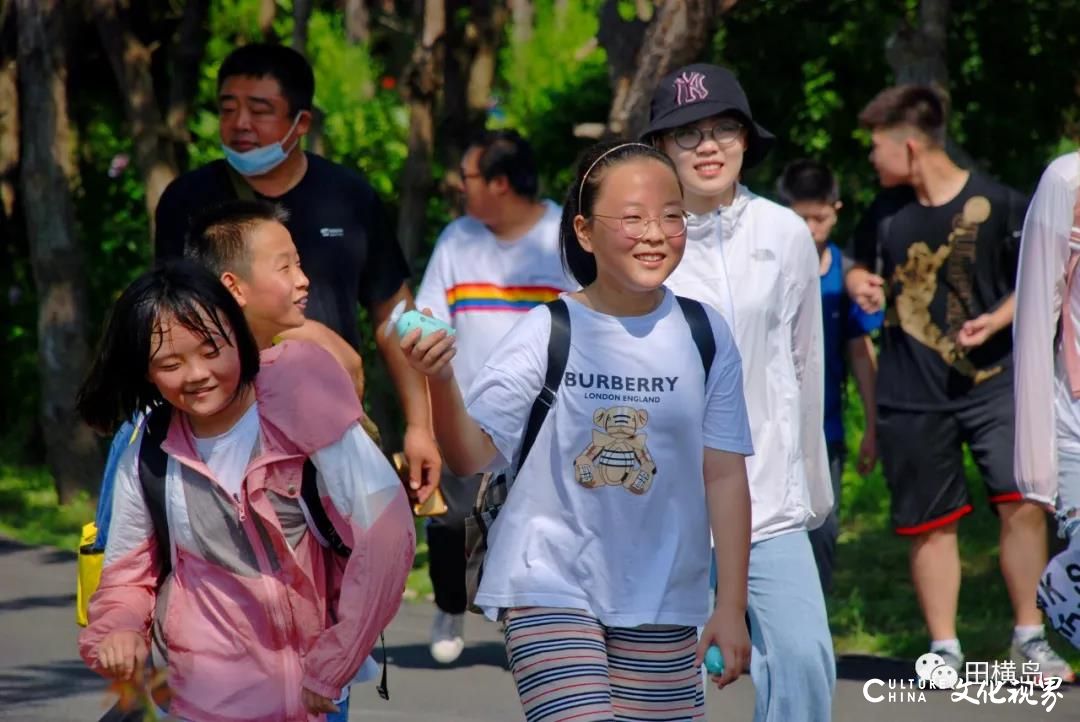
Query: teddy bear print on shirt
[617, 455]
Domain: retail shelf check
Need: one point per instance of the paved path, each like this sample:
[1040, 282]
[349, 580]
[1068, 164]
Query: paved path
[42, 679]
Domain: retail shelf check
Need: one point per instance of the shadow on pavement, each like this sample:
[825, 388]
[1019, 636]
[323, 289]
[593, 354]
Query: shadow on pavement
[27, 685]
[58, 556]
[861, 667]
[417, 656]
[7, 546]
[56, 600]
[48, 555]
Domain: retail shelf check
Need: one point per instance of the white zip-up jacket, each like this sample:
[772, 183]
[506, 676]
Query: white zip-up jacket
[1047, 413]
[755, 262]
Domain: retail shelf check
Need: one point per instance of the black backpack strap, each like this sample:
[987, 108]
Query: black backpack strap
[701, 330]
[309, 492]
[558, 352]
[152, 464]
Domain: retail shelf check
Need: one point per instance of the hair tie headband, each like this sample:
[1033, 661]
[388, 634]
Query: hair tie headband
[585, 177]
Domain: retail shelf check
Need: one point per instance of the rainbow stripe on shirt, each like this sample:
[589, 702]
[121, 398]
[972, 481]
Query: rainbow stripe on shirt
[476, 297]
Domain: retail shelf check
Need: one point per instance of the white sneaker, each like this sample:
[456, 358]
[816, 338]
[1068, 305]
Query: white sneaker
[1037, 650]
[447, 636]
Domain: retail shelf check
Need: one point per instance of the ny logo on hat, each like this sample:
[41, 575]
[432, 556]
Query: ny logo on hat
[690, 88]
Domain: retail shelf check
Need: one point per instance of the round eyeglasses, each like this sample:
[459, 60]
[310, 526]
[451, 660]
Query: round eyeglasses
[724, 133]
[635, 227]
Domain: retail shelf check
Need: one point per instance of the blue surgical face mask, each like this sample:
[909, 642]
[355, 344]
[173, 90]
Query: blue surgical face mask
[263, 159]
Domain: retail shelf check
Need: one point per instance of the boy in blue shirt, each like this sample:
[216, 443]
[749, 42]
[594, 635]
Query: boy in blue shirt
[809, 189]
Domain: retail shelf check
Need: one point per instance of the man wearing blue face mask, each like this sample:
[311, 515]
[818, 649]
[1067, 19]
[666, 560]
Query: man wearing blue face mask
[337, 221]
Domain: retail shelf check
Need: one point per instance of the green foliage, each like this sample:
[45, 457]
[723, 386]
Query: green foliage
[548, 84]
[808, 69]
[1013, 83]
[30, 513]
[18, 361]
[117, 241]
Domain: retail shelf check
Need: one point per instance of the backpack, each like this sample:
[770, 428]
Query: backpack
[494, 489]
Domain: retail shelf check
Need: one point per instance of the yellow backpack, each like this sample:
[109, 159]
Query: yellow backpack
[152, 461]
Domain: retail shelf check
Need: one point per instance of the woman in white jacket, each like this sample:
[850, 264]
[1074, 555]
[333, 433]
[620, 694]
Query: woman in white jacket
[754, 260]
[1047, 374]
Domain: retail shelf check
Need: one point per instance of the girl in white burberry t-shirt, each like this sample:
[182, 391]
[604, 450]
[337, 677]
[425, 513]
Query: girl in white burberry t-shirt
[599, 560]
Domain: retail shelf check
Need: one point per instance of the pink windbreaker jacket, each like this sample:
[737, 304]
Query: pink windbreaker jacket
[255, 608]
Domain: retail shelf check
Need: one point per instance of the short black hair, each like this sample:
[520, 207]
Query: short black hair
[219, 238]
[117, 385]
[807, 180]
[283, 64]
[921, 107]
[592, 169]
[506, 153]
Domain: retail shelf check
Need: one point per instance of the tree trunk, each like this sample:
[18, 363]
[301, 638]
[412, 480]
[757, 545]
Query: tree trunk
[421, 84]
[522, 11]
[9, 116]
[130, 59]
[917, 54]
[47, 169]
[187, 57]
[301, 16]
[677, 34]
[622, 41]
[469, 66]
[453, 119]
[357, 21]
[488, 22]
[267, 13]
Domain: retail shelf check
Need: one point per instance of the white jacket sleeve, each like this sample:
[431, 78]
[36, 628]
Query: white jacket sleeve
[1044, 254]
[802, 310]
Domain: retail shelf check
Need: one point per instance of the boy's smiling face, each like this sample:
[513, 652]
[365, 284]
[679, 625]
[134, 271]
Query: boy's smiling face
[273, 290]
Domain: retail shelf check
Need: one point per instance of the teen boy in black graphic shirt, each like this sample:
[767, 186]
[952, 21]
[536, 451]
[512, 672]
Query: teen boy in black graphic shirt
[945, 241]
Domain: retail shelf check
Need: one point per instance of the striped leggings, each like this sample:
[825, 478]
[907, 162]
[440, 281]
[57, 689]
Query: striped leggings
[569, 667]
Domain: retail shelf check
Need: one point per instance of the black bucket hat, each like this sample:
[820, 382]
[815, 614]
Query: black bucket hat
[698, 91]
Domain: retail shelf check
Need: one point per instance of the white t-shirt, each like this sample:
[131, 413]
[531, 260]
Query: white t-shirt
[228, 455]
[627, 547]
[483, 286]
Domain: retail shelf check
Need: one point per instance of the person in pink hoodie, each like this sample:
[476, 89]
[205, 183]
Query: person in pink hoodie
[256, 619]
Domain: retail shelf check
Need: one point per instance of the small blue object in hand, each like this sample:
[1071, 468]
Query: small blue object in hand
[427, 325]
[714, 660]
[405, 321]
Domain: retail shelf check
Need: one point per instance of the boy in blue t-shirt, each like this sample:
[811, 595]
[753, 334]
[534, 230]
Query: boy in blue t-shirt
[809, 189]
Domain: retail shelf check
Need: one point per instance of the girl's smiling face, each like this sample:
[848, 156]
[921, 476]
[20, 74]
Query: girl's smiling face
[199, 375]
[638, 196]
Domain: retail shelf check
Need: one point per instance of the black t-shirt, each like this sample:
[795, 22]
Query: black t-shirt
[942, 266]
[337, 221]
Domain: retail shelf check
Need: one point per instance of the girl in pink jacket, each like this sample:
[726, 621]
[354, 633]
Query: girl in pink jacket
[255, 619]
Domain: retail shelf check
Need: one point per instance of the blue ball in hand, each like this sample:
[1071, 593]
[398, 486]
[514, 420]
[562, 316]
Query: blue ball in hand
[414, 319]
[714, 660]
